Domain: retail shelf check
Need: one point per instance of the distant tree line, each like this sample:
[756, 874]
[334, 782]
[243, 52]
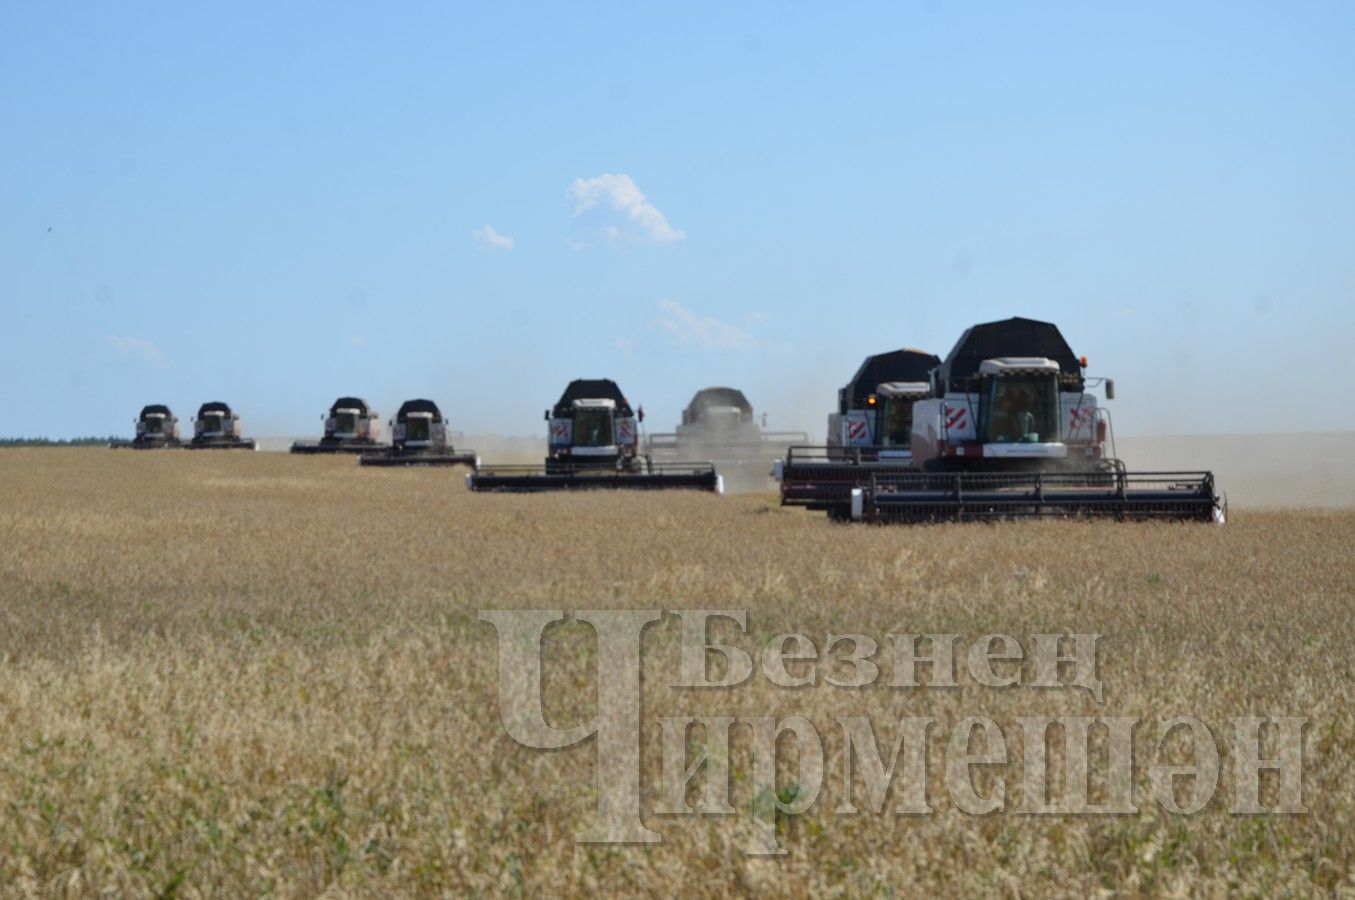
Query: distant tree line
[51, 442]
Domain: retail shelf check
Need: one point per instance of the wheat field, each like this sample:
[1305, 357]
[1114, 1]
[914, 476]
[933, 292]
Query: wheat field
[250, 673]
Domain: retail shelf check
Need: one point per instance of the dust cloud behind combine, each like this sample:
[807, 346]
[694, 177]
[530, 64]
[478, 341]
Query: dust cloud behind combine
[1258, 470]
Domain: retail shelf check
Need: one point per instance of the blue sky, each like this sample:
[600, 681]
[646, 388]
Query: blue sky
[477, 203]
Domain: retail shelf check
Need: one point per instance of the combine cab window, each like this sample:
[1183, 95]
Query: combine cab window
[211, 424]
[417, 428]
[593, 428]
[345, 423]
[154, 424]
[898, 422]
[1021, 409]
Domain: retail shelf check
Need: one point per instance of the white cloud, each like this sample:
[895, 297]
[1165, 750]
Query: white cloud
[489, 239]
[625, 201]
[138, 349]
[707, 332]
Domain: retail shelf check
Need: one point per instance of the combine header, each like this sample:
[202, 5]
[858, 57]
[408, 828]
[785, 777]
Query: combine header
[593, 440]
[1012, 432]
[156, 428]
[350, 427]
[968, 496]
[718, 424]
[419, 438]
[217, 428]
[870, 434]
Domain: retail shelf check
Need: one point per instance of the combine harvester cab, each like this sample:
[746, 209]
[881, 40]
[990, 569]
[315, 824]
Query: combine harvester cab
[593, 441]
[216, 427]
[419, 438]
[719, 425]
[870, 434]
[351, 426]
[156, 428]
[1011, 431]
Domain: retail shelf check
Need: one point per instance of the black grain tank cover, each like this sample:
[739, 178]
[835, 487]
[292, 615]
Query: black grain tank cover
[1009, 337]
[716, 396]
[898, 365]
[591, 389]
[349, 403]
[155, 409]
[418, 406]
[214, 407]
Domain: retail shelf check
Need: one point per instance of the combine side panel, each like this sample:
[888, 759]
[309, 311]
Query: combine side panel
[969, 496]
[528, 478]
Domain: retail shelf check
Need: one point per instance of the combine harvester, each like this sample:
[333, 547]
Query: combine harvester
[871, 433]
[350, 427]
[593, 440]
[1012, 432]
[419, 438]
[718, 425]
[156, 428]
[217, 428]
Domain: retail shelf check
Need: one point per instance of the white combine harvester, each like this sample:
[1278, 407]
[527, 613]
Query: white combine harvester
[217, 427]
[156, 428]
[419, 438]
[593, 442]
[1012, 431]
[351, 426]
